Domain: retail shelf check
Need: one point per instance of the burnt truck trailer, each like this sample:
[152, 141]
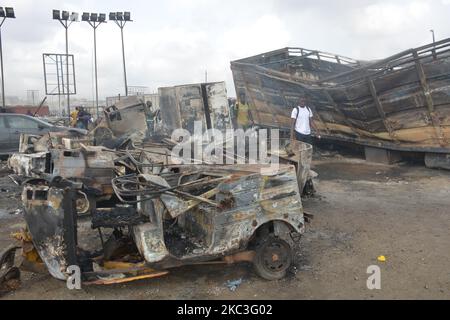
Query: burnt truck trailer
[401, 103]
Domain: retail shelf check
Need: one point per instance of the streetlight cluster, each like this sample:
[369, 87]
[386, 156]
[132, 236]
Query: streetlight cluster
[86, 16]
[5, 13]
[66, 18]
[121, 18]
[65, 15]
[93, 17]
[94, 20]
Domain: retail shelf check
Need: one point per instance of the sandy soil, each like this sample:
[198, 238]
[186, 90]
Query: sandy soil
[362, 211]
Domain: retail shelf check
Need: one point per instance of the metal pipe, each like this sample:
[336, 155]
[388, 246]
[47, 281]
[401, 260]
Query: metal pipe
[1, 61]
[95, 63]
[123, 57]
[57, 76]
[61, 66]
[67, 69]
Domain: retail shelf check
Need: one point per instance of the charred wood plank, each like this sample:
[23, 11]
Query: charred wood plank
[338, 110]
[317, 114]
[379, 106]
[265, 99]
[250, 95]
[429, 101]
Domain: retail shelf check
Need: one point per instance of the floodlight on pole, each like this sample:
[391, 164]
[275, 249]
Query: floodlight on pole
[56, 14]
[94, 21]
[66, 19]
[121, 18]
[10, 13]
[74, 17]
[65, 15]
[85, 16]
[6, 13]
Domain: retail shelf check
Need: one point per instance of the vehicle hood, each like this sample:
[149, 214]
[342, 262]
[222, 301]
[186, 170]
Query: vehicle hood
[74, 130]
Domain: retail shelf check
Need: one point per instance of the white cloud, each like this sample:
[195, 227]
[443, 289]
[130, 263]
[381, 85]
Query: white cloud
[250, 38]
[391, 17]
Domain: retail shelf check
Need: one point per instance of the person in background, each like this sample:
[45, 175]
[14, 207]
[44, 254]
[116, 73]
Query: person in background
[301, 123]
[74, 117]
[83, 119]
[232, 103]
[243, 112]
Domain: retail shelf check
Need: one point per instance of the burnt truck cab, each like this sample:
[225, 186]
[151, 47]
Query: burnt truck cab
[185, 215]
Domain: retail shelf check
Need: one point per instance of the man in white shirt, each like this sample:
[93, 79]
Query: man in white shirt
[301, 122]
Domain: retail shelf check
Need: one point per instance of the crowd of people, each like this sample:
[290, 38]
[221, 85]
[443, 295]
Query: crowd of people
[80, 118]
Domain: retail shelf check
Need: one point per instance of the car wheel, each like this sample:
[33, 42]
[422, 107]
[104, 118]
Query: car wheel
[273, 258]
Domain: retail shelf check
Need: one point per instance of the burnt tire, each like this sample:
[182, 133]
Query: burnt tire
[273, 258]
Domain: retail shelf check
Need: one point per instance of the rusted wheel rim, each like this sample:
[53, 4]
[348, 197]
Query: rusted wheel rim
[276, 257]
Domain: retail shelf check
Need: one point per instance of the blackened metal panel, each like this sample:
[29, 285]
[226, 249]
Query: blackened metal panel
[51, 220]
[191, 105]
[170, 111]
[219, 110]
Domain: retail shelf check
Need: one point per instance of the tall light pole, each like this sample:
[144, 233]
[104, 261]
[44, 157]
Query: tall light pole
[121, 18]
[66, 19]
[6, 13]
[434, 38]
[95, 20]
[32, 95]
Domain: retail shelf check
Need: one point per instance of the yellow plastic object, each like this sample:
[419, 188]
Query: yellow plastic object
[29, 252]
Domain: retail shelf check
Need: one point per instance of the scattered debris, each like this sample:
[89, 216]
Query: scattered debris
[149, 214]
[9, 274]
[306, 268]
[233, 284]
[16, 212]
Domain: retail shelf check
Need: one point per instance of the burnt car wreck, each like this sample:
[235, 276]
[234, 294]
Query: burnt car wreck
[155, 222]
[124, 211]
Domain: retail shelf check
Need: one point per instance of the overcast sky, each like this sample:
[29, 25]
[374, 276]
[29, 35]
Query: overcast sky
[173, 42]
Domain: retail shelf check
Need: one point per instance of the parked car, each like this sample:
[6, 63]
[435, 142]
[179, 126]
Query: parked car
[13, 125]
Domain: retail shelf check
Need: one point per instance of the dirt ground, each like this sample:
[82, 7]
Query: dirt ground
[362, 211]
